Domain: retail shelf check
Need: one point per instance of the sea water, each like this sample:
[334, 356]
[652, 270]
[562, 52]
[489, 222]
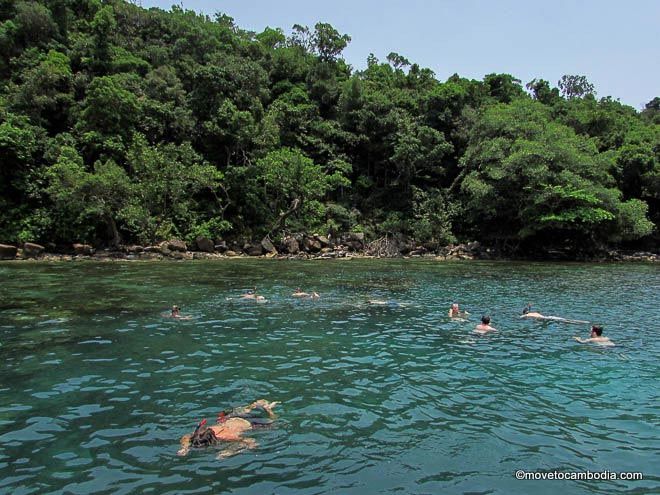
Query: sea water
[97, 386]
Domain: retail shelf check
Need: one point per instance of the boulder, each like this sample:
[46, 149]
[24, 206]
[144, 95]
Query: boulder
[221, 246]
[176, 245]
[205, 244]
[325, 242]
[154, 249]
[83, 249]
[7, 252]
[231, 253]
[134, 249]
[268, 246]
[312, 245]
[32, 250]
[253, 250]
[291, 245]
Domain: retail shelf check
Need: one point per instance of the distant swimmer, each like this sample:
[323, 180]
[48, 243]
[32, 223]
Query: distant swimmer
[455, 312]
[176, 313]
[250, 294]
[229, 428]
[533, 315]
[305, 295]
[484, 326]
[596, 337]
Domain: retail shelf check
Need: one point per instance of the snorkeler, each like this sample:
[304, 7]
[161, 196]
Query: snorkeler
[596, 337]
[229, 428]
[484, 326]
[455, 312]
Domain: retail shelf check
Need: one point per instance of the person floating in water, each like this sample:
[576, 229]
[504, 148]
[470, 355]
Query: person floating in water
[455, 312]
[527, 313]
[299, 293]
[230, 427]
[252, 295]
[176, 313]
[484, 326]
[596, 337]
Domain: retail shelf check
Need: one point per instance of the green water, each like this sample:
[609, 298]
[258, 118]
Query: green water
[96, 386]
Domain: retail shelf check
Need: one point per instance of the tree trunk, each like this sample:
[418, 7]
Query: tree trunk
[112, 227]
[295, 204]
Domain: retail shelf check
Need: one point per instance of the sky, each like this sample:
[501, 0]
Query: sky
[614, 43]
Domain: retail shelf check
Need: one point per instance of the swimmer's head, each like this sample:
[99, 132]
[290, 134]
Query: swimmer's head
[454, 306]
[175, 310]
[485, 320]
[597, 329]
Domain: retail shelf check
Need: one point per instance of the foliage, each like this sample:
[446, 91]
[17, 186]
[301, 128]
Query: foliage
[119, 123]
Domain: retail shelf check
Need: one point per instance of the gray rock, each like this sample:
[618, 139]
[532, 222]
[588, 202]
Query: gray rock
[135, 249]
[205, 244]
[231, 253]
[176, 245]
[312, 245]
[7, 252]
[32, 250]
[268, 246]
[83, 249]
[254, 250]
[221, 246]
[291, 245]
[325, 242]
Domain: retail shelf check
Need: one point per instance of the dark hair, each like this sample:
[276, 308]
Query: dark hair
[485, 320]
[598, 329]
[203, 437]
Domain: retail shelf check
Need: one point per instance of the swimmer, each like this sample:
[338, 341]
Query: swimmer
[250, 294]
[455, 312]
[229, 428]
[596, 337]
[300, 294]
[484, 326]
[176, 313]
[538, 316]
[527, 309]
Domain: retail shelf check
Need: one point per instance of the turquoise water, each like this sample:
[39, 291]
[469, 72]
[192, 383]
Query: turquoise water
[96, 387]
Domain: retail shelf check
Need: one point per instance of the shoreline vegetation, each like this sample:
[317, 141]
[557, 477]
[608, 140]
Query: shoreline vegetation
[123, 126]
[303, 247]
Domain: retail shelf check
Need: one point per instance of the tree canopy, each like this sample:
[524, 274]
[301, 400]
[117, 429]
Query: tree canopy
[124, 124]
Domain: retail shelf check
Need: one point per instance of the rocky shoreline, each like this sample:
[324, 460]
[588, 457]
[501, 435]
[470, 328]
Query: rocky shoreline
[296, 246]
